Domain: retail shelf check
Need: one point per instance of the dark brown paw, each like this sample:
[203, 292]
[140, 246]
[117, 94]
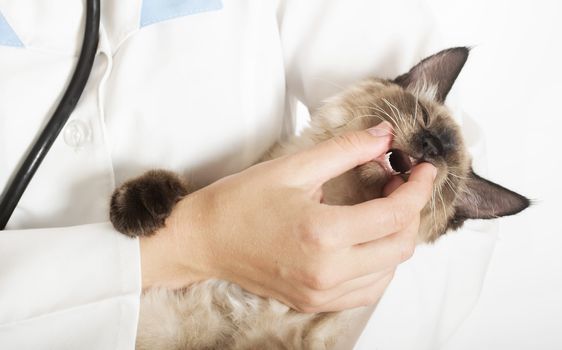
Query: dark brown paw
[140, 206]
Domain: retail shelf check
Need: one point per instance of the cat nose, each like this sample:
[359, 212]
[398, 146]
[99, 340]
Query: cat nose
[431, 146]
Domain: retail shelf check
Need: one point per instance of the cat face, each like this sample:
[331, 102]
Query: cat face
[424, 131]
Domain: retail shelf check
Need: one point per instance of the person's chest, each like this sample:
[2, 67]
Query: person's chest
[177, 85]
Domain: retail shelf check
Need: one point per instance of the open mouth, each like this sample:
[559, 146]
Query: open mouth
[397, 162]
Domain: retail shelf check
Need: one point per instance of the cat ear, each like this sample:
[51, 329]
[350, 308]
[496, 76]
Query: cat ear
[434, 76]
[484, 199]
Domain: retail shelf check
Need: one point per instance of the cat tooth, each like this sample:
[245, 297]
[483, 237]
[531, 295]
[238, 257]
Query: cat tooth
[388, 165]
[401, 162]
[384, 162]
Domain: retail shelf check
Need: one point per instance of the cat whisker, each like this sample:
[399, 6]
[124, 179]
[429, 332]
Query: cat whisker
[432, 207]
[392, 108]
[404, 120]
[392, 118]
[381, 110]
[458, 176]
[415, 114]
[450, 184]
[440, 193]
[356, 118]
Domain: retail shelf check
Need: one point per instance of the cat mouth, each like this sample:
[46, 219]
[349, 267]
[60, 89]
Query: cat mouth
[396, 162]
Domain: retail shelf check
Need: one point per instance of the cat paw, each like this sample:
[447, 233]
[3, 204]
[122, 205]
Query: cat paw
[140, 206]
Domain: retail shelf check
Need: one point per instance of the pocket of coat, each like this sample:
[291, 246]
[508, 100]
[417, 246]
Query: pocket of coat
[7, 35]
[154, 11]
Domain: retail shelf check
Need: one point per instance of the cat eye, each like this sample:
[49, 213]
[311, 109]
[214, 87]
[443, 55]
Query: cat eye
[425, 114]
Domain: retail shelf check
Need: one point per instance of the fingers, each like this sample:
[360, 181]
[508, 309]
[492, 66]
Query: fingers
[380, 217]
[361, 275]
[366, 259]
[355, 273]
[356, 268]
[367, 292]
[310, 299]
[392, 184]
[354, 284]
[335, 156]
[369, 295]
[419, 186]
[384, 253]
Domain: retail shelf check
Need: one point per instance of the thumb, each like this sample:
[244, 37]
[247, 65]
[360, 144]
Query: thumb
[335, 156]
[392, 184]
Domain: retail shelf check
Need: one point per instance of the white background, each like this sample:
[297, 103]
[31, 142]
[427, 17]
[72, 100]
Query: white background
[512, 86]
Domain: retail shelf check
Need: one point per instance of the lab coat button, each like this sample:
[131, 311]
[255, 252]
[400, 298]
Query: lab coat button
[76, 133]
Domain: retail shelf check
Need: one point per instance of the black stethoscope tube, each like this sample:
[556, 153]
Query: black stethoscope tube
[16, 187]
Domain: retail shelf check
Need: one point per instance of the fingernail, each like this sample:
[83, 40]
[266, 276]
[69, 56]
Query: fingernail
[383, 129]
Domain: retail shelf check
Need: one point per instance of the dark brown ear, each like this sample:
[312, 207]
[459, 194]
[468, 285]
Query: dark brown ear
[436, 74]
[484, 199]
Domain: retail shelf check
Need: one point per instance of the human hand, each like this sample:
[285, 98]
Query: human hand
[266, 229]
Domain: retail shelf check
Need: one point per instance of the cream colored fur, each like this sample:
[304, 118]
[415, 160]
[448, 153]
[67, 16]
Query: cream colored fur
[220, 315]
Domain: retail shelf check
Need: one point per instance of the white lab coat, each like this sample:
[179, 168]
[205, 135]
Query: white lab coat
[202, 88]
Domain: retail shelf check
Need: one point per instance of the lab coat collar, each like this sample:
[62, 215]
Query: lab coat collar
[57, 26]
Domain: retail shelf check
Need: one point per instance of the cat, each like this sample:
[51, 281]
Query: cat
[220, 315]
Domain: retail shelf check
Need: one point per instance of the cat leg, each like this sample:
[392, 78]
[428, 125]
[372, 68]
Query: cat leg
[140, 206]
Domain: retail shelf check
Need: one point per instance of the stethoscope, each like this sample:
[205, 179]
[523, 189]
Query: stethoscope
[35, 155]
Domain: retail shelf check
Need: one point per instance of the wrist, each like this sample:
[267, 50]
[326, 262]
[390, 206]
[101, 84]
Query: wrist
[172, 258]
[157, 268]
